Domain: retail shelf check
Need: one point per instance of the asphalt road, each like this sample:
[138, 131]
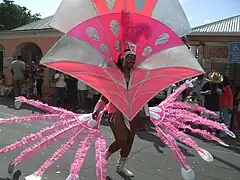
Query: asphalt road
[149, 158]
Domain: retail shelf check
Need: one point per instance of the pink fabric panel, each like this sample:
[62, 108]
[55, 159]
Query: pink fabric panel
[142, 90]
[141, 30]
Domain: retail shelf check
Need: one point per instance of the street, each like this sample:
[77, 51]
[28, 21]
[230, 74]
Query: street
[149, 158]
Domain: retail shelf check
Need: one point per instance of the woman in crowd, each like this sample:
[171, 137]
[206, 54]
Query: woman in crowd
[39, 84]
[60, 88]
[226, 102]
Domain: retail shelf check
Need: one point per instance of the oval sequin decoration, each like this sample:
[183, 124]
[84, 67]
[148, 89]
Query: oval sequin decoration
[104, 48]
[118, 45]
[163, 38]
[115, 28]
[147, 50]
[92, 33]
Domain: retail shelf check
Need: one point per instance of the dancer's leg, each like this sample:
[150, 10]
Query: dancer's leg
[120, 132]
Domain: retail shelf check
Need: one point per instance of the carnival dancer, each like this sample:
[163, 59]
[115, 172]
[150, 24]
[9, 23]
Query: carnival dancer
[123, 130]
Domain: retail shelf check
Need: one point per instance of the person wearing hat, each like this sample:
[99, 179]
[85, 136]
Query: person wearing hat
[212, 89]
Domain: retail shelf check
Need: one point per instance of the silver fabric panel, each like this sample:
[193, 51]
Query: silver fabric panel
[179, 56]
[171, 13]
[71, 49]
[139, 5]
[71, 13]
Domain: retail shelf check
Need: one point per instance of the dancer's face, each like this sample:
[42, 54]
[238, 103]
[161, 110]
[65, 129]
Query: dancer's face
[129, 61]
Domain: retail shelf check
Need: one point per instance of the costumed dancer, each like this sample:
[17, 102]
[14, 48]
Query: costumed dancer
[169, 118]
[123, 130]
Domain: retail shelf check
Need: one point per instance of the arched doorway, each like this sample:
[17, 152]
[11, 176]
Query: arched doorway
[31, 54]
[29, 51]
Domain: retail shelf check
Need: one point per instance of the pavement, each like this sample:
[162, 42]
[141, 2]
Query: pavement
[149, 158]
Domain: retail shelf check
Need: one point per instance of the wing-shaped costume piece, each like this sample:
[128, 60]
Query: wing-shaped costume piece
[90, 50]
[170, 118]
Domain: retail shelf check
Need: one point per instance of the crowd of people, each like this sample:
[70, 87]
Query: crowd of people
[67, 92]
[73, 94]
[213, 92]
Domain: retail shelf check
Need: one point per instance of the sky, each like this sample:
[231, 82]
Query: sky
[199, 12]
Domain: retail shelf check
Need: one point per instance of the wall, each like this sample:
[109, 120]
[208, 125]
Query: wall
[44, 42]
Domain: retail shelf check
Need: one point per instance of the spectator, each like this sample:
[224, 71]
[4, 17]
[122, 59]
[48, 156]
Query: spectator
[18, 69]
[82, 94]
[198, 84]
[40, 81]
[226, 102]
[61, 87]
[172, 88]
[71, 92]
[212, 89]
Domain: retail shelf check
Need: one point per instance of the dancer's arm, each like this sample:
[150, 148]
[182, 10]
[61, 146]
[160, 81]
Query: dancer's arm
[103, 101]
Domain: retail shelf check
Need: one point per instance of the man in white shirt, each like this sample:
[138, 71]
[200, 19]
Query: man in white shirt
[61, 88]
[82, 94]
[18, 69]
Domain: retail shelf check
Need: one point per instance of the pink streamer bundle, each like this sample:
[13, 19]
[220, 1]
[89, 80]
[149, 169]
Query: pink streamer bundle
[31, 118]
[59, 153]
[45, 142]
[172, 144]
[81, 154]
[180, 136]
[186, 116]
[40, 105]
[205, 134]
[185, 105]
[56, 127]
[101, 162]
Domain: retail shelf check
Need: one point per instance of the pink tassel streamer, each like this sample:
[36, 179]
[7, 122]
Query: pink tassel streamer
[82, 153]
[205, 134]
[40, 105]
[31, 118]
[186, 116]
[45, 142]
[59, 153]
[172, 144]
[180, 136]
[185, 105]
[56, 127]
[101, 162]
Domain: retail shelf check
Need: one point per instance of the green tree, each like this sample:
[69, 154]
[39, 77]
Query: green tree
[13, 15]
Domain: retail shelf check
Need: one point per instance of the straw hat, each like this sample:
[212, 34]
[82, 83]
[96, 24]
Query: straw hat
[215, 77]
